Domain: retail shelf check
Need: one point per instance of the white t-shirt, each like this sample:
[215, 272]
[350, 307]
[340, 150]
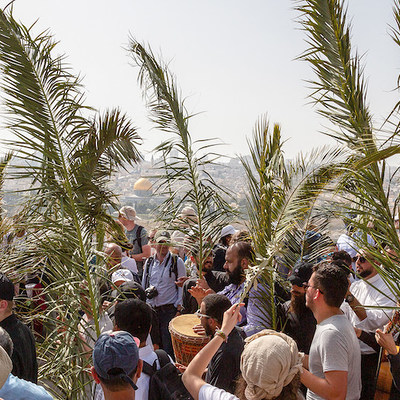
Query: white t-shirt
[208, 392]
[335, 348]
[129, 263]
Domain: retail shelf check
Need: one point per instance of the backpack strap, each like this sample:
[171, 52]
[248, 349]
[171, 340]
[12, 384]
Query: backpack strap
[174, 266]
[148, 369]
[162, 357]
[148, 265]
[139, 237]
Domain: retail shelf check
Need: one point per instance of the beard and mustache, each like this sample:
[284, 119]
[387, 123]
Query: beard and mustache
[298, 304]
[237, 275]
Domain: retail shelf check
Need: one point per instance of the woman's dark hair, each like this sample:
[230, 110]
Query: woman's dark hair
[289, 392]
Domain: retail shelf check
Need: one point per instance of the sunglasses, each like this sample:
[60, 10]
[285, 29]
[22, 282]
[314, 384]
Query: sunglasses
[199, 314]
[360, 258]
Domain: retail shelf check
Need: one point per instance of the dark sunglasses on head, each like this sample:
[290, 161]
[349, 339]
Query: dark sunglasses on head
[361, 258]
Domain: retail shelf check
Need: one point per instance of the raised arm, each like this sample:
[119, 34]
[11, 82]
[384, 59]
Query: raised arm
[192, 377]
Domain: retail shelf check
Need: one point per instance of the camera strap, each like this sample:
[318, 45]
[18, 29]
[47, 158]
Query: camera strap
[148, 274]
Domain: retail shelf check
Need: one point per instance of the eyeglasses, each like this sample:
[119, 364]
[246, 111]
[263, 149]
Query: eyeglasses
[306, 286]
[360, 258]
[199, 314]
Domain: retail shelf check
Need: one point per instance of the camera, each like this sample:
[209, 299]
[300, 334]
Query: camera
[151, 292]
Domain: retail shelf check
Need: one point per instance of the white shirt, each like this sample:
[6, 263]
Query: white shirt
[370, 292]
[159, 276]
[147, 354]
[129, 263]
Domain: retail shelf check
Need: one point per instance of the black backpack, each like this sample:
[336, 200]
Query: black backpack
[166, 382]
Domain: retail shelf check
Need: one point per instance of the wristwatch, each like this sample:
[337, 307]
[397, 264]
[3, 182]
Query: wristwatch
[349, 298]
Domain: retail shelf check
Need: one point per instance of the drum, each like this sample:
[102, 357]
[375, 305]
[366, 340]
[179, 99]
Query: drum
[185, 341]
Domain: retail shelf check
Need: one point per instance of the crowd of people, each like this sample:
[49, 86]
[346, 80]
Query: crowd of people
[327, 345]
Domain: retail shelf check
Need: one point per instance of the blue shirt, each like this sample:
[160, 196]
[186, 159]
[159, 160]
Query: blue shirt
[19, 389]
[159, 276]
[254, 316]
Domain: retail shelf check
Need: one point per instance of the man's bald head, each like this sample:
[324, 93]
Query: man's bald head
[114, 253]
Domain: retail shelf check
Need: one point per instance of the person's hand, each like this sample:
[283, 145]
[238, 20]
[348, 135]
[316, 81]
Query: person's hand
[180, 367]
[203, 284]
[386, 341]
[106, 305]
[181, 280]
[198, 293]
[199, 330]
[231, 317]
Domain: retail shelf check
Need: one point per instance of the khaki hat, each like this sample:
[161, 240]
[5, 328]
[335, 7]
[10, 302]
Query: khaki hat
[5, 366]
[162, 236]
[129, 213]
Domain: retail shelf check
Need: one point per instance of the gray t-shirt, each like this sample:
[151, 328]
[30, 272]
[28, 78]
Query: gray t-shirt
[132, 238]
[335, 347]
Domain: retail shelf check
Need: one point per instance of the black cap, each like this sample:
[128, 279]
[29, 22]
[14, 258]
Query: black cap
[301, 273]
[6, 288]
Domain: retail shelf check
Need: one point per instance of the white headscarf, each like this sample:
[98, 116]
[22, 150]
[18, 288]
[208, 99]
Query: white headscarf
[270, 361]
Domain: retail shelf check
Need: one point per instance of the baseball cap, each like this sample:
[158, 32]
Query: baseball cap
[161, 236]
[5, 366]
[6, 288]
[116, 350]
[228, 230]
[129, 213]
[301, 273]
[130, 290]
[122, 275]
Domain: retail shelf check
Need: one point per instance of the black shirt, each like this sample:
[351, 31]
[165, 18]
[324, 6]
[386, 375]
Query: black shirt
[301, 328]
[224, 368]
[215, 279]
[24, 354]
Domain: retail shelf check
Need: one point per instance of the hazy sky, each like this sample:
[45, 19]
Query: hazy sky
[234, 60]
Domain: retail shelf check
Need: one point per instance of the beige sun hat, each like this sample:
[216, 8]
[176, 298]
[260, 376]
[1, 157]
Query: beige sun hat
[5, 366]
[129, 213]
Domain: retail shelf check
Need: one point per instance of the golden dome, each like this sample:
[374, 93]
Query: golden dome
[142, 184]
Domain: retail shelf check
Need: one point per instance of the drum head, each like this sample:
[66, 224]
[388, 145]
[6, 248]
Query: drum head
[183, 324]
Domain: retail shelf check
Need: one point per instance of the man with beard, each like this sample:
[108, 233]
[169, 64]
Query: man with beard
[366, 306]
[224, 368]
[255, 316]
[298, 321]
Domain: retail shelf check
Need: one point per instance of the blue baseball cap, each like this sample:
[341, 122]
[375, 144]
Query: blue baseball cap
[116, 350]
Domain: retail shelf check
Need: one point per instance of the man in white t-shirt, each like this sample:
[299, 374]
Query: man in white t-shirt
[333, 369]
[371, 291]
[134, 316]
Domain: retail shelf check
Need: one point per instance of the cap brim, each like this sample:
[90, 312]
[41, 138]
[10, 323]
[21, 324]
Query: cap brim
[162, 239]
[295, 280]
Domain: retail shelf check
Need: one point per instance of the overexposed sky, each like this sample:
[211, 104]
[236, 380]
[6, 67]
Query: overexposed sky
[234, 61]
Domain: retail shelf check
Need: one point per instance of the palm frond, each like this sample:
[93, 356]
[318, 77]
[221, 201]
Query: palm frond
[184, 175]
